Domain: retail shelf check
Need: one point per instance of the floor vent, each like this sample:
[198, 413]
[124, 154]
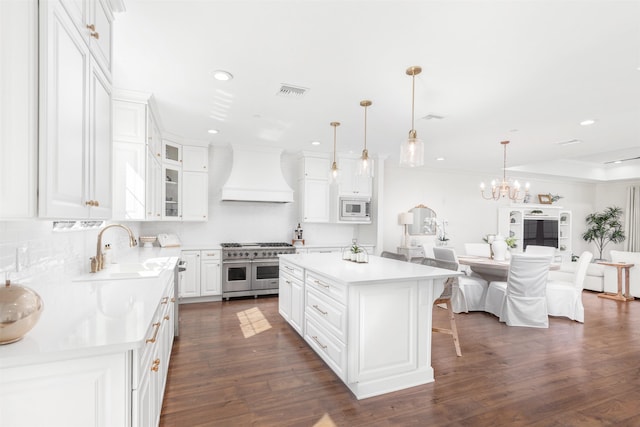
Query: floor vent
[290, 91]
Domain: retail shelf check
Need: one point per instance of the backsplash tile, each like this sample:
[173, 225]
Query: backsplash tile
[49, 256]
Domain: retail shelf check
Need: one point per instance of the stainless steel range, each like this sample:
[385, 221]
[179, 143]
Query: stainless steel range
[251, 268]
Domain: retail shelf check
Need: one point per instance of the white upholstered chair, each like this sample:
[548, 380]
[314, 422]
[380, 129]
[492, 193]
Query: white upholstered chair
[540, 250]
[472, 289]
[478, 249]
[565, 298]
[521, 300]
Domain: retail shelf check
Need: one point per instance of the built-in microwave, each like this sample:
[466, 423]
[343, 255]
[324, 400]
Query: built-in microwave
[355, 209]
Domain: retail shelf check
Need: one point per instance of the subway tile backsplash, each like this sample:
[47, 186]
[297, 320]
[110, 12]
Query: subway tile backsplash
[45, 255]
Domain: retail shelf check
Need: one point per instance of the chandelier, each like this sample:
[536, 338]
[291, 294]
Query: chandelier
[412, 148]
[505, 188]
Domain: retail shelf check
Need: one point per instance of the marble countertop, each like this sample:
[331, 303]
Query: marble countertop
[377, 270]
[90, 317]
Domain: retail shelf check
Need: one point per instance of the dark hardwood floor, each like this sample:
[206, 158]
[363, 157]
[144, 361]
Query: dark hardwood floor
[238, 363]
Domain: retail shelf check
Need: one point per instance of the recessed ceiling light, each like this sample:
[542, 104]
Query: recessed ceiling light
[222, 75]
[617, 162]
[213, 131]
[440, 159]
[315, 142]
[588, 122]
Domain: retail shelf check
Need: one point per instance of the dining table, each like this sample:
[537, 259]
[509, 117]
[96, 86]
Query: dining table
[492, 270]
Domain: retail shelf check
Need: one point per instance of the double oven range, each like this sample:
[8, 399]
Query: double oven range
[251, 269]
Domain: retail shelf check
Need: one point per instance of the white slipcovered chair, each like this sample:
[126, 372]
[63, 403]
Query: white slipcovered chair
[540, 250]
[478, 249]
[565, 298]
[471, 290]
[521, 300]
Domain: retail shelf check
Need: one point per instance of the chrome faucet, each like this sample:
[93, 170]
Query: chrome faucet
[97, 262]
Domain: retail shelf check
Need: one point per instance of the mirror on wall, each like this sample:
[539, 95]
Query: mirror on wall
[424, 221]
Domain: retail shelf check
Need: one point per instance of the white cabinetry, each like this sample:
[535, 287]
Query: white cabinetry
[314, 188]
[349, 182]
[75, 122]
[549, 223]
[137, 168]
[195, 183]
[291, 295]
[18, 108]
[151, 364]
[202, 277]
[88, 391]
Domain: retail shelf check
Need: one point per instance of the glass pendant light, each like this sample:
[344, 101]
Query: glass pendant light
[333, 176]
[364, 166]
[412, 148]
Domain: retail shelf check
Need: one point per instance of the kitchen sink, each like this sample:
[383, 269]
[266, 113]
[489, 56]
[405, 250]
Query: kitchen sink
[135, 270]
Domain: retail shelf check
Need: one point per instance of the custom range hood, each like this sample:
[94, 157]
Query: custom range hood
[256, 176]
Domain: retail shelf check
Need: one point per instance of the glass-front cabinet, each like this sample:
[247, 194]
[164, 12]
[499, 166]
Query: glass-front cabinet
[172, 192]
[172, 153]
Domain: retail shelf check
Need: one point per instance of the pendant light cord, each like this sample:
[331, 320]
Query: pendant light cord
[413, 96]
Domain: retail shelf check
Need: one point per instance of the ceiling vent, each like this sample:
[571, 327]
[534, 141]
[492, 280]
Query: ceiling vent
[432, 117]
[290, 91]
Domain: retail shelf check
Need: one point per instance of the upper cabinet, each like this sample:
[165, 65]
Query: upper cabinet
[93, 20]
[75, 122]
[18, 108]
[314, 188]
[349, 182]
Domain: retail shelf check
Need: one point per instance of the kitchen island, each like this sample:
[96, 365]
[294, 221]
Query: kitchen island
[370, 322]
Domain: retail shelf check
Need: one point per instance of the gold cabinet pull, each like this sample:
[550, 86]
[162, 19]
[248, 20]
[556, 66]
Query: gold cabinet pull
[165, 300]
[156, 365]
[324, 313]
[155, 333]
[324, 347]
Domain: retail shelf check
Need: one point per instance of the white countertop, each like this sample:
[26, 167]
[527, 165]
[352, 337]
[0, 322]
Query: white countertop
[377, 270]
[82, 318]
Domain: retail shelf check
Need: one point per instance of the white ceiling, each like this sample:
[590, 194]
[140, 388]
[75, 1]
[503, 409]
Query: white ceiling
[524, 71]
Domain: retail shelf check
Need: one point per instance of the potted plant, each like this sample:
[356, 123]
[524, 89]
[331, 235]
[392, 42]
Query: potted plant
[604, 227]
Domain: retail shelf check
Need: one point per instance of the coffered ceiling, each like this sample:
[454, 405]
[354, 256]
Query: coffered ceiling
[524, 71]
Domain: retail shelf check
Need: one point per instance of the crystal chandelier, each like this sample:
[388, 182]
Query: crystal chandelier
[412, 148]
[505, 188]
[364, 168]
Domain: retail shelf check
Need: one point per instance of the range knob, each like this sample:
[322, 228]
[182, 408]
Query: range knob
[246, 254]
[255, 254]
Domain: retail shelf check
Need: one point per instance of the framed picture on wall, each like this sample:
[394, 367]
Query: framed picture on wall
[544, 199]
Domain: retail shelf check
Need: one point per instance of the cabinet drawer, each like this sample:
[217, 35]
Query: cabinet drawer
[327, 313]
[291, 269]
[332, 351]
[210, 255]
[327, 287]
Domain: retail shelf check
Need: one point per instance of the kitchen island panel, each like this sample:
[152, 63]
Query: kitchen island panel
[387, 305]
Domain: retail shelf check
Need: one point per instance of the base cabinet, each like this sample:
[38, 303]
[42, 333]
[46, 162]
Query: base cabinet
[124, 388]
[202, 277]
[89, 391]
[291, 295]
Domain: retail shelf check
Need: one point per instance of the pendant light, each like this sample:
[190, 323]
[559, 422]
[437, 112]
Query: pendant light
[334, 166]
[412, 148]
[364, 166]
